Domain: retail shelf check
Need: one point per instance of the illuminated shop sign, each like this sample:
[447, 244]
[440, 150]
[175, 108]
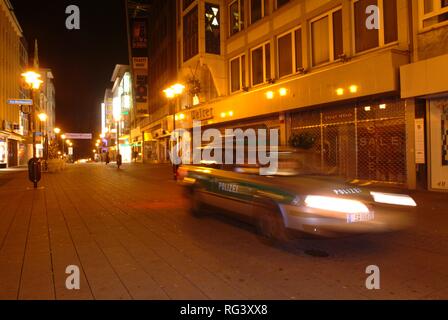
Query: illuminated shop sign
[202, 114]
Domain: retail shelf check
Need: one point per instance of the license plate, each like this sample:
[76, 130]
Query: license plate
[360, 217]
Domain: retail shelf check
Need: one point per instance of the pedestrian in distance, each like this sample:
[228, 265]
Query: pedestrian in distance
[107, 158]
[119, 161]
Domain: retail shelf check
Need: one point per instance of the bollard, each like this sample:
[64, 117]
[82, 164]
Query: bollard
[34, 171]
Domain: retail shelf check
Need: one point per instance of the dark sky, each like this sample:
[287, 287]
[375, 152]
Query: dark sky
[82, 60]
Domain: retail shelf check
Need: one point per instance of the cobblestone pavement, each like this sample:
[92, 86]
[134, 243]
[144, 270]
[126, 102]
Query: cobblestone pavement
[131, 236]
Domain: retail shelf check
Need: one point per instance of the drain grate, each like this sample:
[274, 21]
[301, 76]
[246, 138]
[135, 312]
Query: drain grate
[317, 253]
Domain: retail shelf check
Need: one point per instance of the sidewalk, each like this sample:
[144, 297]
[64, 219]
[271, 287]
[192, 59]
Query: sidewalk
[131, 236]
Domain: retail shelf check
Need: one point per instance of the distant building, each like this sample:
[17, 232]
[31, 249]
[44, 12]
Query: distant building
[15, 145]
[108, 124]
[47, 103]
[153, 49]
[122, 104]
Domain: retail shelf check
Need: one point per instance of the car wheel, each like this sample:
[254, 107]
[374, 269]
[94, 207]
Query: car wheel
[270, 224]
[196, 205]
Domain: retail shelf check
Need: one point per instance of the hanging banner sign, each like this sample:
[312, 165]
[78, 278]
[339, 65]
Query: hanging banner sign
[79, 136]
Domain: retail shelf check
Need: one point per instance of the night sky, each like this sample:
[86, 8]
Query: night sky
[82, 60]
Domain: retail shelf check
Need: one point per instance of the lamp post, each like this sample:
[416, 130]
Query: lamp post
[63, 137]
[173, 93]
[32, 79]
[43, 119]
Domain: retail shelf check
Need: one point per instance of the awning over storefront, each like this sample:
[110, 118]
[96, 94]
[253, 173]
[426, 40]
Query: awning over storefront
[425, 78]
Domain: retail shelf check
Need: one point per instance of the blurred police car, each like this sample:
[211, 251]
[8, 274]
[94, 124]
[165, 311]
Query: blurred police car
[295, 200]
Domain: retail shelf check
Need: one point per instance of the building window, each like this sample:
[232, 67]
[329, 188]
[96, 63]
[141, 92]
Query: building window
[212, 29]
[261, 64]
[191, 39]
[366, 39]
[236, 16]
[432, 12]
[327, 37]
[280, 3]
[237, 73]
[290, 57]
[257, 10]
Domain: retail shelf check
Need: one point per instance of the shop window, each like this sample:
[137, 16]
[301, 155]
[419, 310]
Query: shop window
[327, 37]
[236, 16]
[261, 64]
[237, 73]
[257, 10]
[281, 3]
[366, 39]
[432, 13]
[212, 29]
[191, 39]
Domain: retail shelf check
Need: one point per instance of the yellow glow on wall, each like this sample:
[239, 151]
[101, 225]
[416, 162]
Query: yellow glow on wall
[353, 89]
[270, 95]
[283, 92]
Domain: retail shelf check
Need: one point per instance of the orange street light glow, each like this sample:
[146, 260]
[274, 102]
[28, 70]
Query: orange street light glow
[43, 117]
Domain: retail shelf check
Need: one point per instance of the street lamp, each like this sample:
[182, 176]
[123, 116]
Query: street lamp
[171, 93]
[32, 79]
[43, 118]
[63, 137]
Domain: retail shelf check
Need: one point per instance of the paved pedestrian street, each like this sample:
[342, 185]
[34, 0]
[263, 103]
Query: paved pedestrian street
[131, 236]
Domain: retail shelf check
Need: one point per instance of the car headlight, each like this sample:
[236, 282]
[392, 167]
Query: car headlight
[335, 204]
[395, 199]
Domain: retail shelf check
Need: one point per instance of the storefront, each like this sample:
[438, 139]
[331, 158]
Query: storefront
[438, 142]
[365, 141]
[426, 83]
[3, 153]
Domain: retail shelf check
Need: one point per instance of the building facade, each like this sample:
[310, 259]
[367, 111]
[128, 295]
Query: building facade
[46, 105]
[154, 129]
[314, 70]
[14, 124]
[424, 83]
[361, 84]
[122, 106]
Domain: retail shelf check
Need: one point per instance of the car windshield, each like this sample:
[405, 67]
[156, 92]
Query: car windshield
[291, 162]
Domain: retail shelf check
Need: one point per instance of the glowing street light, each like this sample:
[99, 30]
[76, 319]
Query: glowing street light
[178, 88]
[42, 117]
[32, 79]
[175, 91]
[57, 130]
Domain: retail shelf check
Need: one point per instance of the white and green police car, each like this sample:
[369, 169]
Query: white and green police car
[294, 202]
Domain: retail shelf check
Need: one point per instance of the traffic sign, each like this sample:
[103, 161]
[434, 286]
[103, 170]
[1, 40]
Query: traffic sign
[21, 102]
[79, 136]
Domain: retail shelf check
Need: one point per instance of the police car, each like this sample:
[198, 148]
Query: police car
[293, 201]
